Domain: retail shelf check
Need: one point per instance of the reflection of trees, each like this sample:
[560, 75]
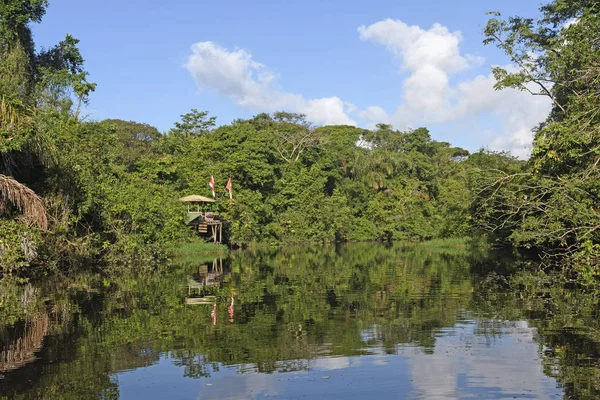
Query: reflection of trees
[19, 344]
[573, 358]
[73, 362]
[568, 329]
[292, 305]
[334, 294]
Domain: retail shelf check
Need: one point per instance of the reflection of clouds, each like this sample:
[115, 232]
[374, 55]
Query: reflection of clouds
[474, 359]
[481, 360]
[381, 362]
[240, 387]
[433, 376]
[332, 363]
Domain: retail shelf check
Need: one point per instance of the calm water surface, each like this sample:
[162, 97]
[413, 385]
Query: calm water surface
[351, 321]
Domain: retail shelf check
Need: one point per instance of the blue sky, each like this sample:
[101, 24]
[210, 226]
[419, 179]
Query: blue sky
[306, 56]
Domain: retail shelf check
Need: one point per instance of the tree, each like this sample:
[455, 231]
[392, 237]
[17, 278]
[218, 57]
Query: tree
[134, 141]
[553, 203]
[194, 124]
[294, 135]
[35, 89]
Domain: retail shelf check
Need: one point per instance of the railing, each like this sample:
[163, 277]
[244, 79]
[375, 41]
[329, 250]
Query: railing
[207, 216]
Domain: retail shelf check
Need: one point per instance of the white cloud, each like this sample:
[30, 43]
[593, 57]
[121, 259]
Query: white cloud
[570, 22]
[518, 112]
[375, 114]
[430, 58]
[252, 85]
[416, 47]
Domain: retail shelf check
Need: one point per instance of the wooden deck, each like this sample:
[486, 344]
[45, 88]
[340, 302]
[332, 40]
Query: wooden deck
[204, 221]
[206, 276]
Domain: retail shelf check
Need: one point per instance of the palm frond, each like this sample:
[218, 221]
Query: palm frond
[24, 199]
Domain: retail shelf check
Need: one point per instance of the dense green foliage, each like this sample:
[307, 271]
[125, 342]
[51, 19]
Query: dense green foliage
[106, 192]
[91, 206]
[551, 204]
[306, 184]
[103, 196]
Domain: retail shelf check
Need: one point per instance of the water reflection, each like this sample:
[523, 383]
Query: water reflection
[468, 362]
[350, 321]
[22, 341]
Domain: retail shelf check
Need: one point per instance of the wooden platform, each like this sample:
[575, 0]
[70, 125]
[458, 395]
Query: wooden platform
[206, 276]
[200, 300]
[206, 223]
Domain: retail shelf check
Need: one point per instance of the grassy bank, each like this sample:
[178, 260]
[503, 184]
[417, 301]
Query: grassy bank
[197, 251]
[465, 241]
[458, 245]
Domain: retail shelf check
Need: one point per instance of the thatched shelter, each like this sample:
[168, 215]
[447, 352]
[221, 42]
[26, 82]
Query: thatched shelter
[195, 198]
[201, 219]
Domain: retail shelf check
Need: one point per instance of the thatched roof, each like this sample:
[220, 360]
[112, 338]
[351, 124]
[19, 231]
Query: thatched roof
[194, 198]
[25, 199]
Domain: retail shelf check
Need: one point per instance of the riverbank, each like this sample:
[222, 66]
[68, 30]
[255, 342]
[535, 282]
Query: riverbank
[453, 242]
[197, 251]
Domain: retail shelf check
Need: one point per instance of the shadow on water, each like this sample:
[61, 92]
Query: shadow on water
[353, 320]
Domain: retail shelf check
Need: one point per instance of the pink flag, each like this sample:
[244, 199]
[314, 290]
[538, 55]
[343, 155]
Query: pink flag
[211, 184]
[228, 187]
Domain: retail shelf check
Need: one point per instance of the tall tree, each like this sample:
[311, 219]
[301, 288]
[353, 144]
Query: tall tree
[31, 84]
[294, 135]
[194, 123]
[553, 204]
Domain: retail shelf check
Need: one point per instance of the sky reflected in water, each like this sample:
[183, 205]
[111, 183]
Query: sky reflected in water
[341, 322]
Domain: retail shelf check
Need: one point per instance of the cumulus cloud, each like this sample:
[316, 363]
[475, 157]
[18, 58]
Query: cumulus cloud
[430, 94]
[374, 114]
[250, 84]
[430, 58]
[518, 112]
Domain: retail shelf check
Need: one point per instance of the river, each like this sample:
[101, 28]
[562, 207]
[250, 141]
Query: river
[350, 321]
